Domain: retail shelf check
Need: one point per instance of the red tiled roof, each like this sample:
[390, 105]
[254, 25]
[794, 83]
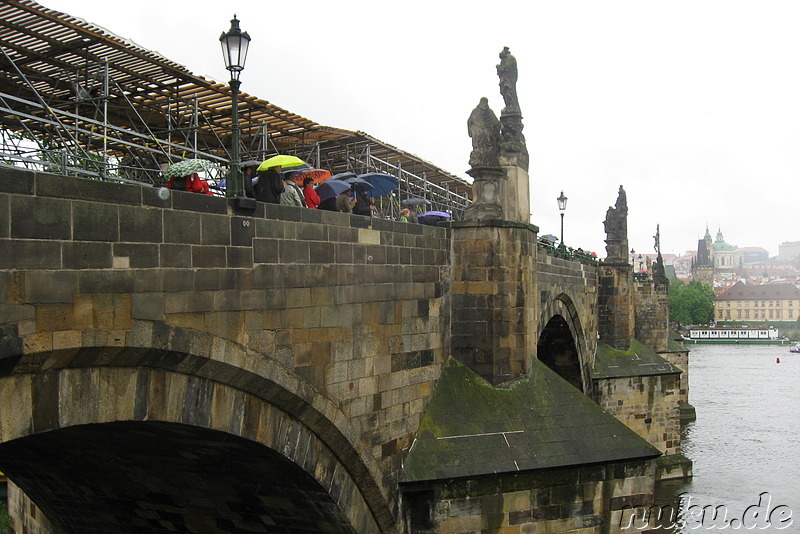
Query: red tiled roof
[742, 291]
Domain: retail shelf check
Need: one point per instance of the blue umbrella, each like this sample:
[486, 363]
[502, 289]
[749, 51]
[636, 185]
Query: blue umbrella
[331, 188]
[382, 183]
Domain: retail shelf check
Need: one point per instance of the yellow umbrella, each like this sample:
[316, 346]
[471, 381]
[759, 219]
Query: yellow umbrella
[280, 161]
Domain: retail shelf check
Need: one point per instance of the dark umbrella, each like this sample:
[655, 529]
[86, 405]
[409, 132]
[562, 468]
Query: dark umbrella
[343, 176]
[550, 238]
[414, 201]
[358, 184]
[331, 188]
[382, 184]
[296, 168]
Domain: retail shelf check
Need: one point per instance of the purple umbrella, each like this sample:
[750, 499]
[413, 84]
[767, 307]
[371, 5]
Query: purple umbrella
[438, 214]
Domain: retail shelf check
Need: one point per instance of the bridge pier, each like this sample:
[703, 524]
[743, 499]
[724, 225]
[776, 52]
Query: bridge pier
[494, 297]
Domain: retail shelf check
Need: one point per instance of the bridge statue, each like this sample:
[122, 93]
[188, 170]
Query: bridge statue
[484, 129]
[499, 157]
[616, 226]
[507, 71]
[658, 266]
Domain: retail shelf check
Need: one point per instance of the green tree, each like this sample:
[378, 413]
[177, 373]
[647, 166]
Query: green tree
[6, 523]
[691, 303]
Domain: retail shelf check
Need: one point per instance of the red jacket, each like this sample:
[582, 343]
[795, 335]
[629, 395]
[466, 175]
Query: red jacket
[191, 183]
[311, 196]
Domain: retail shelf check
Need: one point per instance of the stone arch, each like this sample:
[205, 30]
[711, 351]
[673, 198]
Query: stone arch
[224, 388]
[562, 344]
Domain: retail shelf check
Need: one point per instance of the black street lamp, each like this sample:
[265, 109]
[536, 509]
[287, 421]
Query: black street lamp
[234, 50]
[562, 205]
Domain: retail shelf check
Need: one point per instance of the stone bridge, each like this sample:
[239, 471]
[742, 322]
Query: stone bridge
[185, 364]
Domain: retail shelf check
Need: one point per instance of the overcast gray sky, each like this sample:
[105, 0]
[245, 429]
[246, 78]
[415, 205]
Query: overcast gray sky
[692, 106]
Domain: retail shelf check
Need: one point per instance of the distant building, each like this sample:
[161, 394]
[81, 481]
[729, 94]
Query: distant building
[749, 256]
[718, 261]
[766, 302]
[789, 251]
[723, 255]
[703, 264]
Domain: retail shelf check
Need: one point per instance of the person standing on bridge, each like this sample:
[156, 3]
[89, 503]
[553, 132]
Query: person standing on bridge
[291, 195]
[269, 186]
[310, 194]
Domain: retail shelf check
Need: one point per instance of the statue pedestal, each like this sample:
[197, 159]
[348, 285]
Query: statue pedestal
[516, 199]
[616, 250]
[615, 308]
[488, 194]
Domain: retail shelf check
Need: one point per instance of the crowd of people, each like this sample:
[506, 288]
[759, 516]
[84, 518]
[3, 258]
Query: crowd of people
[276, 187]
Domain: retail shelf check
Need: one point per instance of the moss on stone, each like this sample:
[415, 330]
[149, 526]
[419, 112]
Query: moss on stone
[637, 360]
[539, 421]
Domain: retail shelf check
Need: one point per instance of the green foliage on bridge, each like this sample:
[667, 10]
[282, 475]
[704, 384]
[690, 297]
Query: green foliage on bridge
[6, 523]
[691, 303]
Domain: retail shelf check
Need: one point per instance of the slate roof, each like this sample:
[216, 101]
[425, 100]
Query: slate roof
[638, 360]
[472, 428]
[740, 291]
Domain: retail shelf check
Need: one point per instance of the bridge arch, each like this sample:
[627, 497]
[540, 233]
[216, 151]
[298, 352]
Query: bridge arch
[164, 385]
[562, 344]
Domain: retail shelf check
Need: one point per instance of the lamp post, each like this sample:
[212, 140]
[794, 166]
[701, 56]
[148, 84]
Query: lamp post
[562, 205]
[234, 50]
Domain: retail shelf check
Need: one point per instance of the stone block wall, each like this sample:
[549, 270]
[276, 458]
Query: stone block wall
[651, 310]
[615, 306]
[353, 306]
[581, 500]
[558, 277]
[493, 298]
[649, 405]
[28, 518]
[679, 357]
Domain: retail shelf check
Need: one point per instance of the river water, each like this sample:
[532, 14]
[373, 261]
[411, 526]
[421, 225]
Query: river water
[745, 443]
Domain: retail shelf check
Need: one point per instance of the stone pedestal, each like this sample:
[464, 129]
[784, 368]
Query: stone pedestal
[488, 194]
[615, 305]
[493, 302]
[651, 307]
[517, 195]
